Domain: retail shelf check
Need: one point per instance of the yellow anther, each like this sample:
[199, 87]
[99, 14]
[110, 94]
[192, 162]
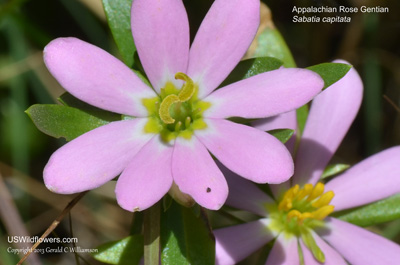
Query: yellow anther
[305, 216]
[317, 191]
[294, 213]
[165, 116]
[325, 199]
[305, 191]
[295, 190]
[187, 90]
[285, 204]
[323, 212]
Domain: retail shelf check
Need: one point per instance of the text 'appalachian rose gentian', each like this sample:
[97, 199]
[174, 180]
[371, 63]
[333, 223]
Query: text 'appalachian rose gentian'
[180, 119]
[298, 217]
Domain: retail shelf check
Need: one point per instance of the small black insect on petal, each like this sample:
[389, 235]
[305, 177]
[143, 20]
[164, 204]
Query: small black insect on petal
[208, 190]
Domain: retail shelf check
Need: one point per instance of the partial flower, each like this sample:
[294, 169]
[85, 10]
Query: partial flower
[171, 126]
[298, 216]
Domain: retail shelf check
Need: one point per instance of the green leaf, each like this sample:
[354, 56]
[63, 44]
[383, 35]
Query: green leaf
[63, 121]
[282, 135]
[302, 115]
[335, 169]
[186, 239]
[118, 14]
[330, 72]
[374, 213]
[127, 251]
[271, 43]
[71, 101]
[251, 67]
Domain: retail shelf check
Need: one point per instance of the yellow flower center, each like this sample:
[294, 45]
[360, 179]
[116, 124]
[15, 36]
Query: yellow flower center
[179, 113]
[300, 211]
[309, 202]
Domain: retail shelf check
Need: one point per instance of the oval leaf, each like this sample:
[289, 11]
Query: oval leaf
[185, 238]
[335, 169]
[63, 121]
[251, 67]
[127, 251]
[330, 72]
[118, 14]
[282, 135]
[374, 213]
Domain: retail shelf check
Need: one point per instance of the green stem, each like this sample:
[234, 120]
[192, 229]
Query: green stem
[152, 235]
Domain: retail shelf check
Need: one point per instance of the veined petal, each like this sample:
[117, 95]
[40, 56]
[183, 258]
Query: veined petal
[235, 243]
[250, 153]
[265, 95]
[221, 41]
[147, 178]
[195, 173]
[95, 157]
[161, 33]
[244, 195]
[332, 257]
[373, 179]
[96, 77]
[284, 252]
[359, 246]
[331, 114]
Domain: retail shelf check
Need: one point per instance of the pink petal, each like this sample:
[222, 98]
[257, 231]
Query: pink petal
[248, 152]
[95, 157]
[286, 120]
[195, 173]
[373, 179]
[147, 178]
[235, 243]
[359, 246]
[331, 115]
[278, 190]
[221, 41]
[96, 77]
[244, 194]
[161, 33]
[284, 252]
[332, 257]
[265, 95]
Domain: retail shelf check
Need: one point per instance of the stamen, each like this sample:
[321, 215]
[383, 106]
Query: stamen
[187, 90]
[162, 92]
[293, 213]
[178, 126]
[196, 111]
[325, 199]
[323, 212]
[165, 116]
[187, 122]
[305, 191]
[317, 191]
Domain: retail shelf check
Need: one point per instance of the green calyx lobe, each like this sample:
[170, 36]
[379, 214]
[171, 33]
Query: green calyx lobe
[176, 112]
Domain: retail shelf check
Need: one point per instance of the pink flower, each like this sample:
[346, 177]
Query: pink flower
[179, 119]
[298, 218]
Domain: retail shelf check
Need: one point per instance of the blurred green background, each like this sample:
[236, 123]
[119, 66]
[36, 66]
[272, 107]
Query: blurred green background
[370, 42]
